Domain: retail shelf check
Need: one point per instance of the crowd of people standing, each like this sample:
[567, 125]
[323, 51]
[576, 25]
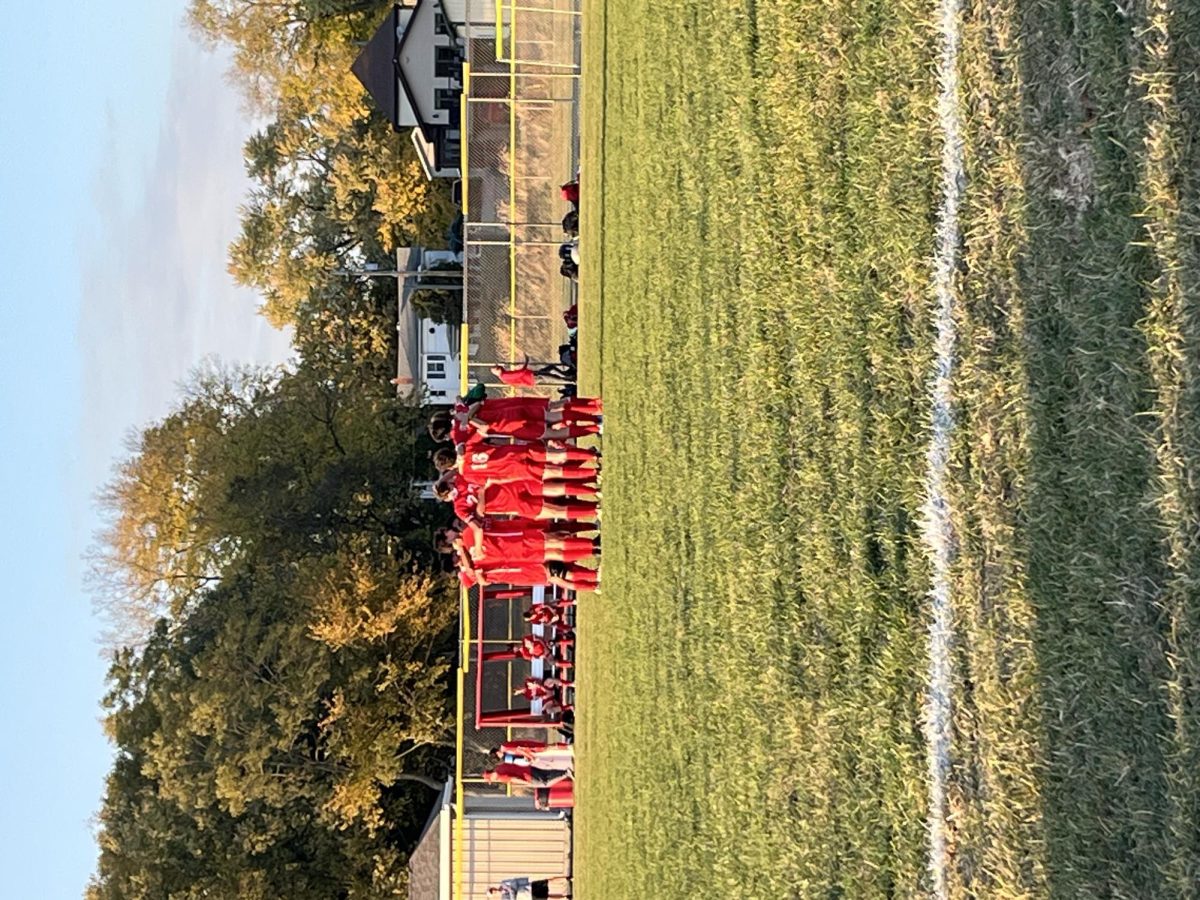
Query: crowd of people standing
[526, 502]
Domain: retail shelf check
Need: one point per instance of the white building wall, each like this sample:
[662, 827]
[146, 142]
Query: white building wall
[483, 12]
[416, 59]
[509, 848]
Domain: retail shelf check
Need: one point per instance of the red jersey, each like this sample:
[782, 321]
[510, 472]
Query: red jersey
[511, 500]
[570, 192]
[535, 690]
[542, 614]
[523, 418]
[465, 498]
[522, 377]
[533, 648]
[505, 544]
[499, 463]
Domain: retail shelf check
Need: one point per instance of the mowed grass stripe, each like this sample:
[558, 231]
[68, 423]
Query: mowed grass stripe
[751, 673]
[1169, 72]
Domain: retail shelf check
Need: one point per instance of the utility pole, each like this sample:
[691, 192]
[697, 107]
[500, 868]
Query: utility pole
[405, 383]
[372, 270]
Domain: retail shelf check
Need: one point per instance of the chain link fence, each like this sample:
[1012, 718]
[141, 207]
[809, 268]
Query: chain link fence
[492, 687]
[520, 143]
[520, 137]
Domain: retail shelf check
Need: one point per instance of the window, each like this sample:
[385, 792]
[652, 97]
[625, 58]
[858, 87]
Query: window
[446, 98]
[446, 63]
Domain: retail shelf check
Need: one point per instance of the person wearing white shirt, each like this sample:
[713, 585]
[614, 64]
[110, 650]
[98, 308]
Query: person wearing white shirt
[526, 889]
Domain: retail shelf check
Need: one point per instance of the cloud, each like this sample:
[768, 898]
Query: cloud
[156, 297]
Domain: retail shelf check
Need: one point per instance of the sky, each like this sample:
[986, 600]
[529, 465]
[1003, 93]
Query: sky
[120, 176]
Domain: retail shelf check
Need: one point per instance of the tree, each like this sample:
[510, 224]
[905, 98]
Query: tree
[272, 39]
[439, 294]
[280, 702]
[157, 550]
[254, 464]
[281, 729]
[332, 185]
[399, 707]
[328, 197]
[153, 846]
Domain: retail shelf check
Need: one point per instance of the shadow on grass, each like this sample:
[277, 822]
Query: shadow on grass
[1097, 559]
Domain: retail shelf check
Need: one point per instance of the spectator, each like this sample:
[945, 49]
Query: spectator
[525, 889]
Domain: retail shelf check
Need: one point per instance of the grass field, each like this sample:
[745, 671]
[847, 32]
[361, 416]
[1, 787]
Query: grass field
[759, 187]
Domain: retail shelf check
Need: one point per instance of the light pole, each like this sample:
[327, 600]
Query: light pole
[372, 270]
[405, 336]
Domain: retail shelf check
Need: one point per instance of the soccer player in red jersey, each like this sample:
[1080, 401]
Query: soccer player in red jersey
[519, 418]
[500, 463]
[532, 647]
[506, 773]
[524, 500]
[516, 542]
[542, 688]
[520, 499]
[538, 754]
[544, 614]
[450, 425]
[535, 418]
[520, 573]
[452, 488]
[519, 376]
[552, 706]
[545, 691]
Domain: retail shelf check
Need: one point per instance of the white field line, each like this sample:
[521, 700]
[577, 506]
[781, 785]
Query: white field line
[938, 530]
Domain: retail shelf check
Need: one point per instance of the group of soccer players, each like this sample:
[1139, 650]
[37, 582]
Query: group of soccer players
[525, 499]
[527, 505]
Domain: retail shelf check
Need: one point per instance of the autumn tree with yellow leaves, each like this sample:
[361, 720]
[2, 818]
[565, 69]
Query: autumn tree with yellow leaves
[285, 642]
[332, 185]
[282, 635]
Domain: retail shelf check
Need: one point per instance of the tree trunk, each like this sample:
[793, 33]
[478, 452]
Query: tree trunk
[431, 783]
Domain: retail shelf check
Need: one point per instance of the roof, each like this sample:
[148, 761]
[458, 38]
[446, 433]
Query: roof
[376, 66]
[426, 866]
[378, 70]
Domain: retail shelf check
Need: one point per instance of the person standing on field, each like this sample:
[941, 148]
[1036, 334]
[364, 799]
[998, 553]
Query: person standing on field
[479, 463]
[524, 889]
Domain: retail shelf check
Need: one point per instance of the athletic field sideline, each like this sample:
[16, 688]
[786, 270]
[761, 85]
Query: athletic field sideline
[759, 194]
